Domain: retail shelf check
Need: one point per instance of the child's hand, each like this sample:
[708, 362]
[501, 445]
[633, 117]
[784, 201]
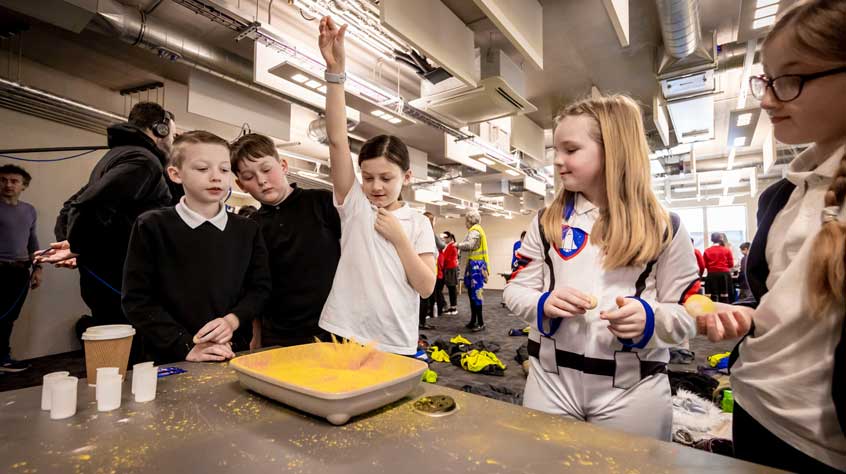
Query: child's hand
[210, 352]
[331, 43]
[389, 226]
[565, 303]
[628, 321]
[217, 330]
[729, 322]
[255, 342]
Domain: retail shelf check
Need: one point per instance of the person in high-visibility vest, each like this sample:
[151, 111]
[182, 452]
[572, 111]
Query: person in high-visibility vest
[474, 255]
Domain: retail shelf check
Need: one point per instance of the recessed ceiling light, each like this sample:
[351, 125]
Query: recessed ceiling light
[766, 11]
[740, 141]
[512, 173]
[395, 120]
[487, 161]
[744, 119]
[299, 78]
[765, 3]
[761, 23]
[313, 84]
[378, 113]
[388, 117]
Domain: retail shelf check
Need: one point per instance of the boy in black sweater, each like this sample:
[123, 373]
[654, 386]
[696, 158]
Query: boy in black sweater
[194, 274]
[302, 231]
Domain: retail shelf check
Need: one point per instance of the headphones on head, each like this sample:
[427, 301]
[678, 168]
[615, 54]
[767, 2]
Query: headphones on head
[161, 128]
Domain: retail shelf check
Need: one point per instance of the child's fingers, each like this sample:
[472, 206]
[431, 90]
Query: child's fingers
[567, 305]
[715, 329]
[617, 314]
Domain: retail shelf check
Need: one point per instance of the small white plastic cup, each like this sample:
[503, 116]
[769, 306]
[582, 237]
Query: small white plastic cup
[63, 398]
[47, 386]
[145, 384]
[135, 369]
[108, 390]
[106, 370]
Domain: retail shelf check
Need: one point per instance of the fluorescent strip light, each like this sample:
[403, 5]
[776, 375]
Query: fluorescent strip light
[730, 163]
[740, 141]
[378, 113]
[313, 84]
[299, 78]
[487, 161]
[766, 11]
[765, 3]
[395, 120]
[763, 22]
[744, 119]
[388, 117]
[512, 173]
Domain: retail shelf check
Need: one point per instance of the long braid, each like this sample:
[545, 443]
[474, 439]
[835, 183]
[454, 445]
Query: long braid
[827, 268]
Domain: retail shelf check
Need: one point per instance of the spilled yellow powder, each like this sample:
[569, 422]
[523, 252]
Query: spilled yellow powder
[334, 367]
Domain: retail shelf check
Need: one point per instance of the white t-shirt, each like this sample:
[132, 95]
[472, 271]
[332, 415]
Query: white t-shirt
[371, 299]
[783, 376]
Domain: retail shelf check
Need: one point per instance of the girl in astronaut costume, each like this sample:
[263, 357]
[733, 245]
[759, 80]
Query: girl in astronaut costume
[602, 276]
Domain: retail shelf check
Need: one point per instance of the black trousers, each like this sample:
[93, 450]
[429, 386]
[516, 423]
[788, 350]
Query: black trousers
[754, 443]
[719, 286]
[438, 297]
[476, 318]
[14, 287]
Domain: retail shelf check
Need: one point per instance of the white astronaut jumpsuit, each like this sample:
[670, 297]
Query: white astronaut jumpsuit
[581, 370]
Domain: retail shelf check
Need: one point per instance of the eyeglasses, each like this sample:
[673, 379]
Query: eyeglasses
[787, 87]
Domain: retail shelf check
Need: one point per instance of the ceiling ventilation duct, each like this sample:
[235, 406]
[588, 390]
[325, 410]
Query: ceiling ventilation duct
[686, 70]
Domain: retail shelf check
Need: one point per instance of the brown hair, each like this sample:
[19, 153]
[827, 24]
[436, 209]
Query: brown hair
[252, 147]
[817, 29]
[634, 228]
[389, 146]
[194, 137]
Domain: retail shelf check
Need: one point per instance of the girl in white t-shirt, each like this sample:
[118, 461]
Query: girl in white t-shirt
[789, 378]
[387, 249]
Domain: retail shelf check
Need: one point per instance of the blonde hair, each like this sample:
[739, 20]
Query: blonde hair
[633, 229]
[817, 29]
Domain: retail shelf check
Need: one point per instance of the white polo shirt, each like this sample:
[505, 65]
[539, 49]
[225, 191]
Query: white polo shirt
[371, 298]
[783, 376]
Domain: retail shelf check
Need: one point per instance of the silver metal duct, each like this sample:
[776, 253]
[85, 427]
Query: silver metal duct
[134, 27]
[679, 26]
[685, 49]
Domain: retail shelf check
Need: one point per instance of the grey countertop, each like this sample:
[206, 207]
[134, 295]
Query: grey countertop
[203, 421]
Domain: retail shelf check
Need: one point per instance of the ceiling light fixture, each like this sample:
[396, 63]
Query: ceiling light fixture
[765, 3]
[763, 22]
[766, 11]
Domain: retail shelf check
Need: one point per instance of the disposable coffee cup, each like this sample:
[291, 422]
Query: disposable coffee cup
[47, 385]
[107, 346]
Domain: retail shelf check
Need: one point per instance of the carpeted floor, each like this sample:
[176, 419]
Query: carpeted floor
[497, 320]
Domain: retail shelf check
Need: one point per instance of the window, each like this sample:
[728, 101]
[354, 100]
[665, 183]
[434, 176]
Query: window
[730, 220]
[693, 219]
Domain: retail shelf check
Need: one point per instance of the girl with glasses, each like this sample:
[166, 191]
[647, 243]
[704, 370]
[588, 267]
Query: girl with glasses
[789, 374]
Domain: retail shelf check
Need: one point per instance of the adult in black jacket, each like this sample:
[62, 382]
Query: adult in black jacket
[126, 182]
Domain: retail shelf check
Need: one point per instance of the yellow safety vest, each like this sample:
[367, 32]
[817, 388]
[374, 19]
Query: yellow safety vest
[481, 252]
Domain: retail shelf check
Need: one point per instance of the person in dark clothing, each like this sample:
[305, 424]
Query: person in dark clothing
[194, 273]
[427, 305]
[18, 242]
[302, 231]
[745, 292]
[127, 181]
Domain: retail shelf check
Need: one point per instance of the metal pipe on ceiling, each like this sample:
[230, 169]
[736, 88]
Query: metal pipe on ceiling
[680, 27]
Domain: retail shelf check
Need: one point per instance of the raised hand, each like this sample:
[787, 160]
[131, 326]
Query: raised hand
[332, 45]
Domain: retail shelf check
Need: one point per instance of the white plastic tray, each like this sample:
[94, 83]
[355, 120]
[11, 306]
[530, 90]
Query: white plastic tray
[337, 407]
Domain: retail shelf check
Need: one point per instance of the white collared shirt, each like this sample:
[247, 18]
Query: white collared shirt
[371, 299]
[800, 217]
[194, 220]
[784, 373]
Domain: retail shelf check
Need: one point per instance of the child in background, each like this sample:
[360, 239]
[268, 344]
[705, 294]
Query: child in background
[302, 231]
[719, 262]
[789, 378]
[195, 274]
[450, 269]
[387, 249]
[601, 275]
